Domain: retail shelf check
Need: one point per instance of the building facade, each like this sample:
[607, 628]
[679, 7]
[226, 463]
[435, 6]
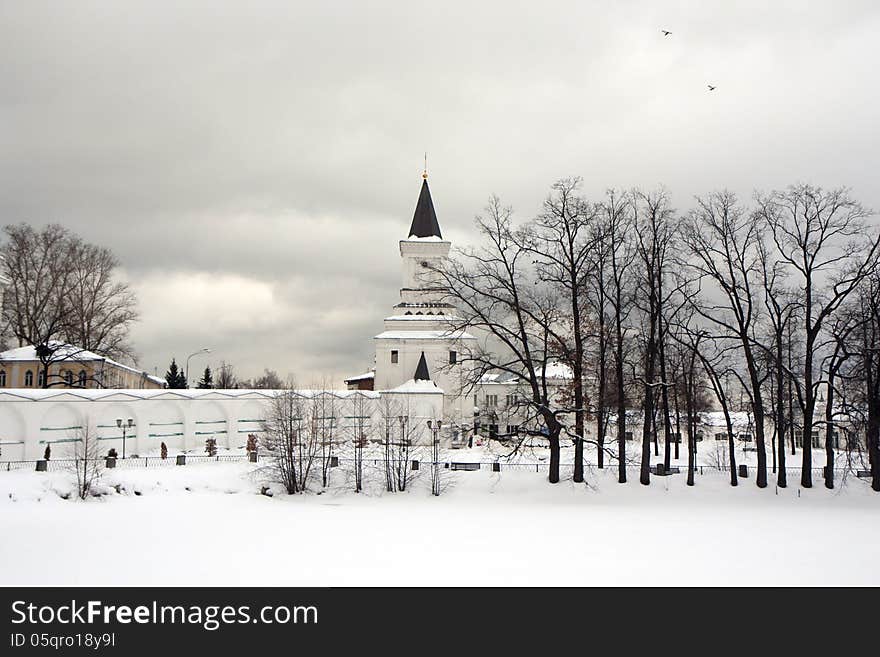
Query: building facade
[72, 367]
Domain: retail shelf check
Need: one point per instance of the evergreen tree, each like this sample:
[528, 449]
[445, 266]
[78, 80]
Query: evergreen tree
[174, 378]
[207, 380]
[48, 453]
[164, 451]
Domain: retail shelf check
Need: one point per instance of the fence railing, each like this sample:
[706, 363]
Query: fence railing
[56, 465]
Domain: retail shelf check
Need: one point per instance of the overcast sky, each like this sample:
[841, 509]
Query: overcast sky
[253, 164]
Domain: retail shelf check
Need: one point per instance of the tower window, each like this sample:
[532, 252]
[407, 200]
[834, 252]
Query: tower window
[3, 378]
[41, 378]
[453, 358]
[394, 356]
[491, 401]
[68, 378]
[29, 379]
[82, 378]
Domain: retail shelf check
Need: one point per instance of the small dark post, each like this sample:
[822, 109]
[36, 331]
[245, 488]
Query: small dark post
[181, 459]
[41, 465]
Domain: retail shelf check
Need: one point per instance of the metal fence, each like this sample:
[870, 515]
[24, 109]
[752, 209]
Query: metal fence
[566, 468]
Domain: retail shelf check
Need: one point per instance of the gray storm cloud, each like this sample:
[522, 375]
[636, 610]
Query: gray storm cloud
[253, 164]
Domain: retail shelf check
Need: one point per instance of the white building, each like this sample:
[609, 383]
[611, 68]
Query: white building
[421, 323]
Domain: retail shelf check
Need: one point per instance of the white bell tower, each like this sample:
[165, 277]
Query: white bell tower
[421, 321]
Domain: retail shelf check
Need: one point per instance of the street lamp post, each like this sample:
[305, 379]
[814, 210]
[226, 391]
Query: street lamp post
[203, 350]
[435, 473]
[124, 426]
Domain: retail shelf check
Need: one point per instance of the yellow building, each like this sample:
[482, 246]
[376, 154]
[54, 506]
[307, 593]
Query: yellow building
[72, 367]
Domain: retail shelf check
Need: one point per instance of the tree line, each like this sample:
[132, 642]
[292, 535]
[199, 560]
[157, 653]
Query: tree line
[773, 299]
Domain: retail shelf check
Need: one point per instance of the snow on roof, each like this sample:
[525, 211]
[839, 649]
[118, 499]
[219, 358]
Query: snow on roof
[421, 318]
[69, 352]
[123, 394]
[362, 377]
[558, 371]
[64, 351]
[413, 386]
[553, 371]
[424, 335]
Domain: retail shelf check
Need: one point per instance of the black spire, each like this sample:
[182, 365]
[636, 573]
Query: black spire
[424, 223]
[422, 370]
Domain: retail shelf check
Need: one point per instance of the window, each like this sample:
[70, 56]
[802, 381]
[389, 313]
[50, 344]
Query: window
[2, 378]
[512, 429]
[493, 431]
[41, 379]
[82, 378]
[453, 357]
[720, 436]
[628, 435]
[510, 400]
[28, 379]
[394, 356]
[799, 438]
[745, 437]
[491, 400]
[68, 378]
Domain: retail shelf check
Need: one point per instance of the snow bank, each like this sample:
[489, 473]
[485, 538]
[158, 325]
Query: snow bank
[208, 525]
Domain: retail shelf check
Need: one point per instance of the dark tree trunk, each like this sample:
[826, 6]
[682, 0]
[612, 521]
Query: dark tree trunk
[664, 396]
[601, 393]
[553, 475]
[781, 479]
[648, 408]
[829, 432]
[758, 412]
[621, 405]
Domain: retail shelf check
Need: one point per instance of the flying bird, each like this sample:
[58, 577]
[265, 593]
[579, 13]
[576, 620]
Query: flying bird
[711, 88]
[666, 32]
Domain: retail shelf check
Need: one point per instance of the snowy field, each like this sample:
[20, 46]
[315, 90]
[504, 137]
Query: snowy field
[208, 525]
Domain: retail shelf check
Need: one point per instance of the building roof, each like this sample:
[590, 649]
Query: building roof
[366, 376]
[422, 370]
[69, 352]
[424, 222]
[424, 335]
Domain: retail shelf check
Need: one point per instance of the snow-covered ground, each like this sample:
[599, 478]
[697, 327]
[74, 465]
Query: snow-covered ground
[208, 525]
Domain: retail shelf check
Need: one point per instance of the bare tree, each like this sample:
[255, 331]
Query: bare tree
[62, 290]
[495, 290]
[562, 240]
[724, 245]
[863, 405]
[87, 464]
[289, 441]
[226, 379]
[824, 241]
[655, 233]
[102, 309]
[619, 255]
[268, 380]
